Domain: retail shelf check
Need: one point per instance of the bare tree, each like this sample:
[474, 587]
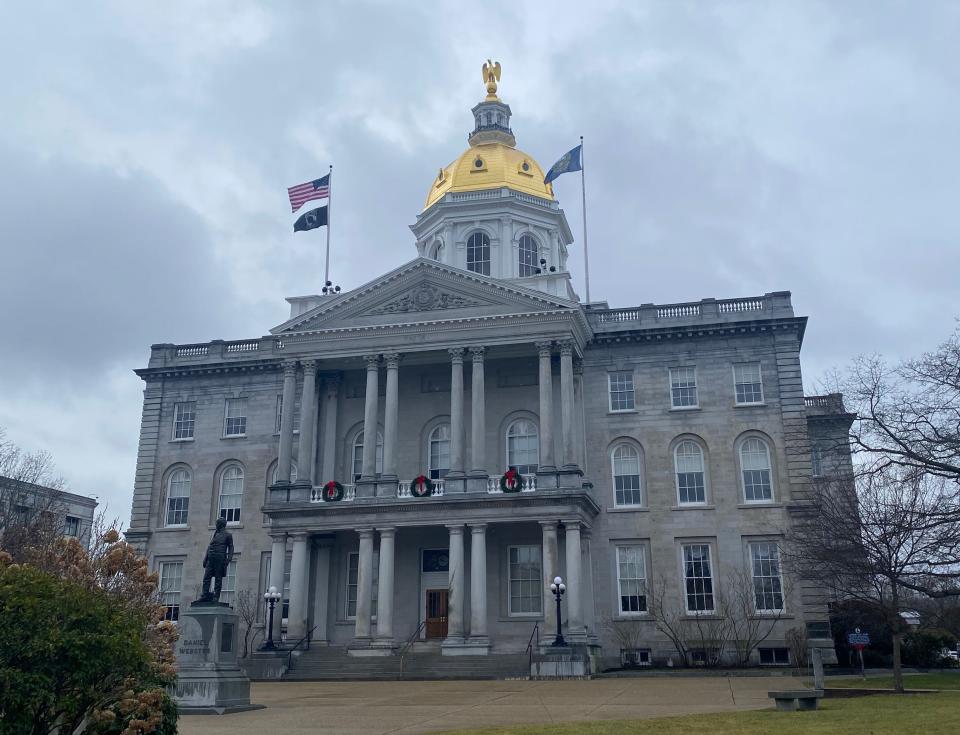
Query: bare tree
[28, 488]
[750, 623]
[629, 634]
[669, 618]
[245, 603]
[886, 530]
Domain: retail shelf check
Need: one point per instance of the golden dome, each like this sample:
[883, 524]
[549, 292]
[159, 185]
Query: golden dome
[490, 166]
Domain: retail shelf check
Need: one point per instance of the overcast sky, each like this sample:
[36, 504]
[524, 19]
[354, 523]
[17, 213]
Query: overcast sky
[731, 149]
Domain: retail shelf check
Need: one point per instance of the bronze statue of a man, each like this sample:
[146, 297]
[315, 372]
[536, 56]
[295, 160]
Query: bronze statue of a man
[216, 560]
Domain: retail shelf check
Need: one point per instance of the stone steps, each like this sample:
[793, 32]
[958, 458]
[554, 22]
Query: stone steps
[335, 664]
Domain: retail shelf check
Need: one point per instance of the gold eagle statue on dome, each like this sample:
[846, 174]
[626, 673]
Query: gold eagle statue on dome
[491, 75]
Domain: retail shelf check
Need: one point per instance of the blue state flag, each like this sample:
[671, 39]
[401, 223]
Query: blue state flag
[570, 161]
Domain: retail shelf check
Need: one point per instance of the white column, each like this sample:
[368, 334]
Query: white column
[478, 583]
[578, 417]
[308, 420]
[456, 412]
[278, 558]
[296, 617]
[551, 568]
[321, 576]
[544, 349]
[390, 419]
[455, 586]
[588, 598]
[330, 402]
[478, 415]
[286, 421]
[385, 587]
[574, 580]
[569, 459]
[364, 586]
[369, 469]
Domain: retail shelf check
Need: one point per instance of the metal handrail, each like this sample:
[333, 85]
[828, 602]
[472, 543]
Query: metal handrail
[529, 649]
[409, 642]
[297, 645]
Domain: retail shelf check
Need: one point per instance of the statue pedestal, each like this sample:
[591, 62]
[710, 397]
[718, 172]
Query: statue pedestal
[209, 681]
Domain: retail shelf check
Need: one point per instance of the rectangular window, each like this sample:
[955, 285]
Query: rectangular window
[526, 580]
[353, 579]
[71, 527]
[622, 396]
[633, 657]
[228, 593]
[816, 461]
[698, 578]
[747, 384]
[683, 387]
[296, 414]
[631, 579]
[285, 592]
[184, 419]
[767, 582]
[171, 584]
[235, 417]
[774, 656]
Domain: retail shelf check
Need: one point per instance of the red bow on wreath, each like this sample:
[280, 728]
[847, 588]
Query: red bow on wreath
[332, 490]
[421, 486]
[511, 477]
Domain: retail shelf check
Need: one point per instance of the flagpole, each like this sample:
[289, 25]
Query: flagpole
[326, 270]
[583, 211]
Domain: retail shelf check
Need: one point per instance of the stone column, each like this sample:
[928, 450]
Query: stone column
[455, 588]
[478, 585]
[385, 589]
[551, 568]
[364, 587]
[588, 599]
[286, 421]
[308, 420]
[321, 600]
[369, 468]
[278, 559]
[544, 349]
[578, 420]
[478, 415]
[456, 412]
[296, 617]
[569, 459]
[390, 420]
[330, 402]
[574, 581]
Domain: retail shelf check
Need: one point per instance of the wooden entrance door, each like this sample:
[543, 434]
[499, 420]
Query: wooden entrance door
[436, 616]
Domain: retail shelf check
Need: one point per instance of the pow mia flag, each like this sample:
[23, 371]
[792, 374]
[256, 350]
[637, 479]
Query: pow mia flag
[311, 220]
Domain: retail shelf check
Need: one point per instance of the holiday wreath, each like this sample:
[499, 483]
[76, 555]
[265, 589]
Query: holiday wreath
[511, 482]
[332, 491]
[421, 487]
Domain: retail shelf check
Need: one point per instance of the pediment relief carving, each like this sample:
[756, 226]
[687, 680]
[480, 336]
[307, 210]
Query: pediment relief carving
[423, 297]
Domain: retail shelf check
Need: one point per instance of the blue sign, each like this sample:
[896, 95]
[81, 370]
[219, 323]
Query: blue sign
[858, 638]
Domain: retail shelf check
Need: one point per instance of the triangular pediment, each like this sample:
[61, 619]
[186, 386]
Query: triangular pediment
[422, 291]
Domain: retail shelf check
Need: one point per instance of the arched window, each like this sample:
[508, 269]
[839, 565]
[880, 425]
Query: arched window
[755, 470]
[478, 253]
[691, 484]
[231, 493]
[626, 475]
[528, 256]
[276, 472]
[438, 452]
[523, 446]
[358, 455]
[178, 497]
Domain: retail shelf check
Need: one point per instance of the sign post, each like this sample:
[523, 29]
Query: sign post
[859, 641]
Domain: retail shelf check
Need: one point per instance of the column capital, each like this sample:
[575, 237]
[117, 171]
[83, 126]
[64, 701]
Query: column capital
[299, 535]
[365, 533]
[566, 347]
[309, 365]
[387, 531]
[290, 369]
[544, 349]
[278, 537]
[478, 352]
[456, 354]
[478, 528]
[549, 525]
[574, 524]
[456, 529]
[578, 367]
[332, 382]
[392, 360]
[373, 362]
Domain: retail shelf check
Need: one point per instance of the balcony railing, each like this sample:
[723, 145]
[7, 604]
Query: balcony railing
[528, 485]
[771, 305]
[403, 489]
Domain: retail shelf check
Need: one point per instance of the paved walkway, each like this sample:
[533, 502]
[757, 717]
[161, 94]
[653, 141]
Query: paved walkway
[377, 708]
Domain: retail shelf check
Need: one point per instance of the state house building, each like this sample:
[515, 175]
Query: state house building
[662, 448]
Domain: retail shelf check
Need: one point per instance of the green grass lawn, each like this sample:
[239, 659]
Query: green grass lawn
[945, 680]
[926, 713]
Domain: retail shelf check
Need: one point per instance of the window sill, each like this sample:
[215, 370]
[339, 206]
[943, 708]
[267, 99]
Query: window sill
[694, 506]
[213, 526]
[685, 408]
[181, 441]
[761, 404]
[167, 529]
[763, 504]
[633, 617]
[615, 412]
[520, 617]
[235, 436]
[628, 509]
[772, 615]
[711, 615]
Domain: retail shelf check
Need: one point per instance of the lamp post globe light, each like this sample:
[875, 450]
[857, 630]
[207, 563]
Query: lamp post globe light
[270, 596]
[558, 588]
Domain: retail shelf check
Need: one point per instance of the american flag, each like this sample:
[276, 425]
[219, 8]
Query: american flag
[301, 193]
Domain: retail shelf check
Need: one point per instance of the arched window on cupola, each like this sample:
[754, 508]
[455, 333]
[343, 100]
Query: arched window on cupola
[478, 253]
[527, 256]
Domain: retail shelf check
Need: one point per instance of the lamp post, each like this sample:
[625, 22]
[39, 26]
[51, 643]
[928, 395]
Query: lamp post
[270, 596]
[558, 588]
